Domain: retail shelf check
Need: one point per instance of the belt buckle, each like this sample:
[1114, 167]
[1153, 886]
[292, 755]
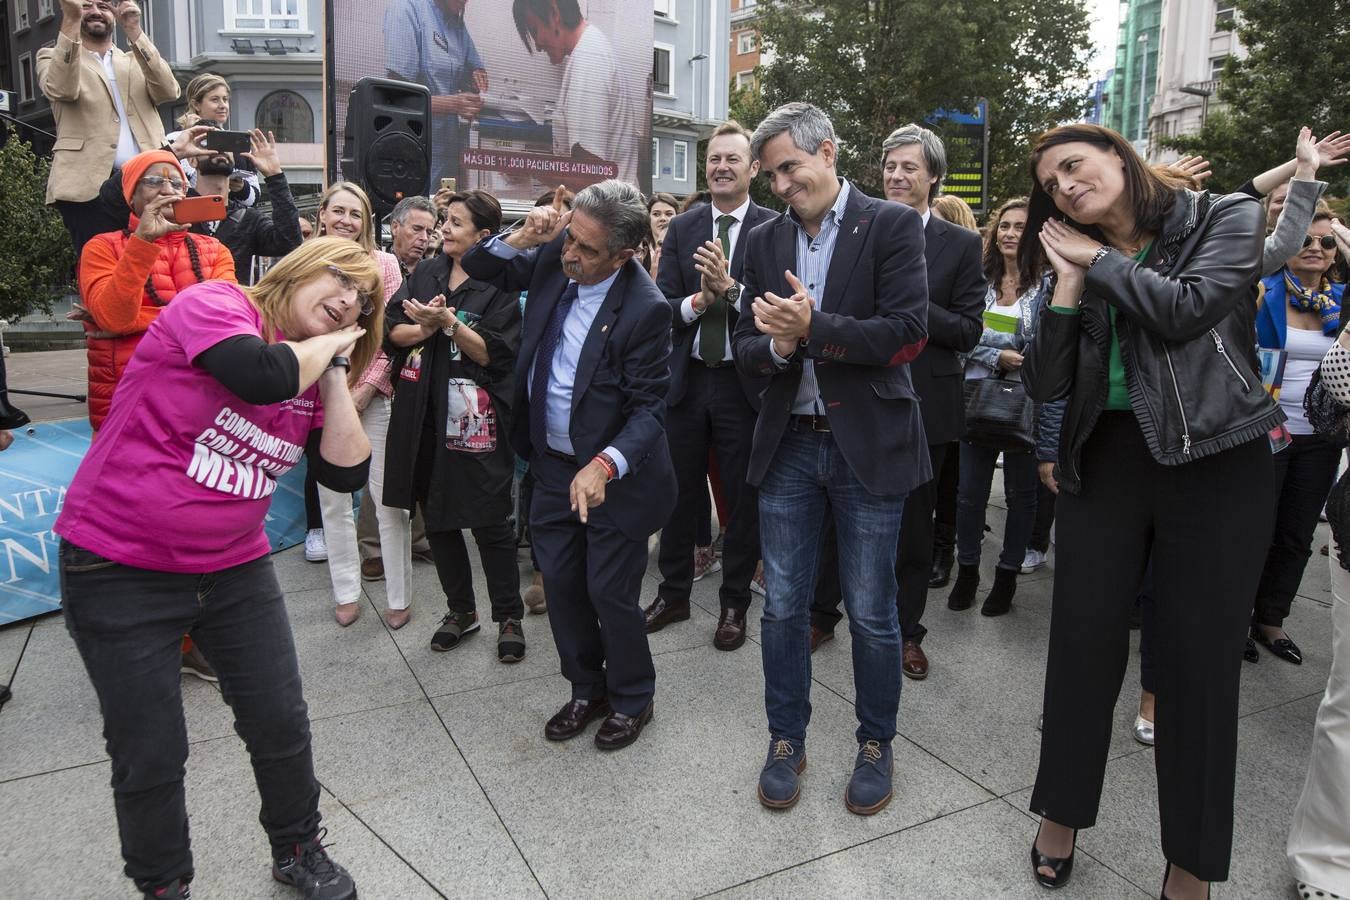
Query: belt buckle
[816, 422]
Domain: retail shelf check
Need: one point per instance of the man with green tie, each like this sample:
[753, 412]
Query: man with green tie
[710, 406]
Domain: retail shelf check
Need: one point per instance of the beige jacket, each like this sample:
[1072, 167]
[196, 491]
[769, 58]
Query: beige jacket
[87, 126]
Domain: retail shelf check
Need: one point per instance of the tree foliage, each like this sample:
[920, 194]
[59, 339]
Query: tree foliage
[874, 65]
[35, 252]
[1294, 75]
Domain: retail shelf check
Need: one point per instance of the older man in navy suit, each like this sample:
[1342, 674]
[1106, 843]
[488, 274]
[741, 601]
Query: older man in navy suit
[592, 374]
[840, 308]
[711, 405]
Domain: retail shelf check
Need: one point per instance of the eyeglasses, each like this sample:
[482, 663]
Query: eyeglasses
[345, 282]
[157, 182]
[1326, 241]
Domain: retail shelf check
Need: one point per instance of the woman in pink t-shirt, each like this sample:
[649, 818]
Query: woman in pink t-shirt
[162, 534]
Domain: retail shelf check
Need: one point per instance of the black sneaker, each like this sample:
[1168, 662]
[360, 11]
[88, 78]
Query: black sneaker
[454, 628]
[307, 868]
[174, 890]
[510, 642]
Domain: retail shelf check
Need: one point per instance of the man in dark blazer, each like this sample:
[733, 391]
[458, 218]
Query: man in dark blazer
[839, 309]
[591, 379]
[710, 404]
[913, 163]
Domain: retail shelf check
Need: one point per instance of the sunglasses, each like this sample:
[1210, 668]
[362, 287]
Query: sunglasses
[345, 282]
[1326, 241]
[156, 182]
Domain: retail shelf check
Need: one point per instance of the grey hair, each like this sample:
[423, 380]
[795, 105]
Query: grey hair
[620, 208]
[408, 204]
[808, 126]
[934, 153]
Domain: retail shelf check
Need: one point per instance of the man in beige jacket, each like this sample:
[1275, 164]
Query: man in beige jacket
[104, 102]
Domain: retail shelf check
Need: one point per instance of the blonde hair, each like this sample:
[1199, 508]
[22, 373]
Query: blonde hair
[313, 259]
[196, 92]
[367, 236]
[956, 211]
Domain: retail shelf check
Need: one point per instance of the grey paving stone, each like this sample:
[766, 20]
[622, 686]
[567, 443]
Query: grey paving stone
[12, 641]
[1273, 682]
[1272, 763]
[977, 852]
[683, 798]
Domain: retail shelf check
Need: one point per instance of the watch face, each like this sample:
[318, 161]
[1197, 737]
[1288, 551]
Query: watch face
[734, 293]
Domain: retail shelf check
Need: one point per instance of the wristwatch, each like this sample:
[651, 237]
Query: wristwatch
[1102, 253]
[449, 330]
[733, 293]
[340, 362]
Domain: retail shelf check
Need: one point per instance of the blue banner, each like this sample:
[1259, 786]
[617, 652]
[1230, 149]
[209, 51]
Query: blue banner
[34, 474]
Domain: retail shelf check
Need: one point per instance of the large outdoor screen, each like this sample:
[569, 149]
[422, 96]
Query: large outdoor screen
[525, 94]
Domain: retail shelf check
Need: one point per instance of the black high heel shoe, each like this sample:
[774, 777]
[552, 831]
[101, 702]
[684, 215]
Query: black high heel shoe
[1167, 872]
[1062, 868]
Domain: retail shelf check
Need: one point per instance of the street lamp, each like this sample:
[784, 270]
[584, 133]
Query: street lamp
[1204, 94]
[1143, 85]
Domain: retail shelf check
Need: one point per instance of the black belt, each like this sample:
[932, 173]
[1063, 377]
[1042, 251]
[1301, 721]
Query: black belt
[808, 423]
[558, 454]
[707, 365]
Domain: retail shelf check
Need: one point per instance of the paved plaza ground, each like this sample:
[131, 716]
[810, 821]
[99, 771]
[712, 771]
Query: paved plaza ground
[438, 782]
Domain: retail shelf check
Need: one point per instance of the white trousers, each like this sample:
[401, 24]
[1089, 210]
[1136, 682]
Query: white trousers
[1319, 838]
[339, 527]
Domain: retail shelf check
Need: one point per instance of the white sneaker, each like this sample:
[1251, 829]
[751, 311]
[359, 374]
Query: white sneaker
[316, 548]
[1032, 561]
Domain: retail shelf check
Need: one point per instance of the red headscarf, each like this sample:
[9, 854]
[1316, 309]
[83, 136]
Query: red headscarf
[139, 164]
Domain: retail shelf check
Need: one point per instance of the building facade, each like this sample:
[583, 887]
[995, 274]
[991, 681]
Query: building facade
[1195, 41]
[744, 51]
[1133, 80]
[689, 87]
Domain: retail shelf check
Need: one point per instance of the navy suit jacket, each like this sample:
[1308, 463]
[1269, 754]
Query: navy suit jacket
[956, 290]
[677, 278]
[870, 323]
[619, 396]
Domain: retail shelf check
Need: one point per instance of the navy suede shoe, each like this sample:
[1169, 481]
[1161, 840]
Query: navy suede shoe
[869, 790]
[780, 780]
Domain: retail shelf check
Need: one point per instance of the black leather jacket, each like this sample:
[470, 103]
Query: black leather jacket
[1185, 319]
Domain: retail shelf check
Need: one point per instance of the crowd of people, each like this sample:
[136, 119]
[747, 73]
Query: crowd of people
[1159, 368]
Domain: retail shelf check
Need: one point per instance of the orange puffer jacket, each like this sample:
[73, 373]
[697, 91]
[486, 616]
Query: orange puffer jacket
[114, 270]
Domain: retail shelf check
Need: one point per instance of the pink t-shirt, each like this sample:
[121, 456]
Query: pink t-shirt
[182, 473]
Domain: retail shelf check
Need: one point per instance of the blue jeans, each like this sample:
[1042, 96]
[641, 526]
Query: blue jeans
[972, 496]
[807, 481]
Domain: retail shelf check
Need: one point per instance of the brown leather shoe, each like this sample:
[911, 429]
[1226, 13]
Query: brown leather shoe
[573, 718]
[663, 612]
[915, 661]
[620, 730]
[372, 569]
[730, 632]
[819, 636]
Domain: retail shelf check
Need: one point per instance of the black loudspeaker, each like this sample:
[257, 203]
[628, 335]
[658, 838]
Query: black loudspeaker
[386, 147]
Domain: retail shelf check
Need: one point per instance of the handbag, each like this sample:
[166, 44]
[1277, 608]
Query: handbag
[999, 414]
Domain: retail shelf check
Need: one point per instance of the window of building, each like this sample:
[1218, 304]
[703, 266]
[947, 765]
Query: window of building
[1223, 13]
[664, 8]
[20, 8]
[1216, 67]
[287, 115]
[681, 162]
[45, 10]
[745, 80]
[266, 15]
[26, 78]
[661, 56]
[745, 42]
[656, 156]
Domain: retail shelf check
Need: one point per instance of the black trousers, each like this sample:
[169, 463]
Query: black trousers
[128, 625]
[1045, 517]
[944, 505]
[593, 575]
[913, 561]
[1197, 521]
[713, 414]
[84, 220]
[496, 550]
[1304, 473]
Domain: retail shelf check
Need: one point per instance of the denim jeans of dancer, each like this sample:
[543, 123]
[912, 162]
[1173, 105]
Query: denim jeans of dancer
[807, 481]
[977, 477]
[127, 624]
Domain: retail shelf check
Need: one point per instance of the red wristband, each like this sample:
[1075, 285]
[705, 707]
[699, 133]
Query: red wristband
[611, 469]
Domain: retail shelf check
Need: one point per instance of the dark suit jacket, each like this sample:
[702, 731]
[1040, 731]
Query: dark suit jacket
[677, 278]
[619, 397]
[956, 290]
[870, 323]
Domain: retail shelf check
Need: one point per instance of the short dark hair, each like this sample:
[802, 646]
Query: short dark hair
[483, 208]
[731, 126]
[1149, 193]
[569, 14]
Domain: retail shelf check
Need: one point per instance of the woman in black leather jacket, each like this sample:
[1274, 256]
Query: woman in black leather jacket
[1163, 452]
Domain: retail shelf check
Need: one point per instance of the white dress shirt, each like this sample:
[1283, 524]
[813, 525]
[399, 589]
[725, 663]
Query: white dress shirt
[126, 143]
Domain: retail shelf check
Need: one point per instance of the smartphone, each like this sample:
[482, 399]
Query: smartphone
[448, 184]
[227, 141]
[191, 210]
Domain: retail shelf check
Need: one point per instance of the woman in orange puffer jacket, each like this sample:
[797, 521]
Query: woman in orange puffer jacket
[127, 276]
